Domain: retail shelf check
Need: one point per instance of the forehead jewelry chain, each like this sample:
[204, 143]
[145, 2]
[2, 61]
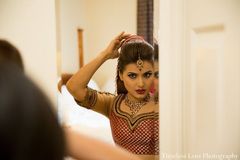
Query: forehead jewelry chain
[136, 106]
[139, 63]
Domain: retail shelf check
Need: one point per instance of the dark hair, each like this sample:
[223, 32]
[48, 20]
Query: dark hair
[9, 53]
[156, 52]
[130, 53]
[29, 128]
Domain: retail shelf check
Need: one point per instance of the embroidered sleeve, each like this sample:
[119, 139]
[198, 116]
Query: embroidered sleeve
[97, 101]
[89, 100]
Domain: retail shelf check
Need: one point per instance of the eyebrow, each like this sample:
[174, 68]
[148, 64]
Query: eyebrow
[147, 72]
[132, 73]
[137, 73]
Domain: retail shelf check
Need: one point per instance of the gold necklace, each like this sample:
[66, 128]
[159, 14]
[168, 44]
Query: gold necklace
[136, 106]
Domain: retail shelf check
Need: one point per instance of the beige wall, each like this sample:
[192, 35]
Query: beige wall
[101, 21]
[110, 18]
[30, 25]
[72, 15]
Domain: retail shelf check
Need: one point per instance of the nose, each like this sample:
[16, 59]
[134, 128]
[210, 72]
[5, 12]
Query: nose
[140, 82]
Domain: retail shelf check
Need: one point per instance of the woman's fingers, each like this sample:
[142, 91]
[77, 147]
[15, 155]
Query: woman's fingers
[119, 35]
[121, 43]
[122, 36]
[126, 35]
[117, 43]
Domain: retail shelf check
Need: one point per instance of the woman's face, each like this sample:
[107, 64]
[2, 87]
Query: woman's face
[137, 82]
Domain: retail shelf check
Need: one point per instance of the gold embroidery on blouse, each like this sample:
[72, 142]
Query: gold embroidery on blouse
[89, 100]
[132, 122]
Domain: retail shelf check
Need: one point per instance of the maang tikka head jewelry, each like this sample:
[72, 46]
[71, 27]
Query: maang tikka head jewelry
[139, 63]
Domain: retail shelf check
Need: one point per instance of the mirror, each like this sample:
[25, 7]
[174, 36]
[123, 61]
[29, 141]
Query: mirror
[84, 29]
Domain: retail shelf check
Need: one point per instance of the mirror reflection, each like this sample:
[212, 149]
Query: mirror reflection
[89, 38]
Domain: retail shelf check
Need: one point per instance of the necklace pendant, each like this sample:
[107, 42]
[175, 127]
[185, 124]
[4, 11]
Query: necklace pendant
[135, 106]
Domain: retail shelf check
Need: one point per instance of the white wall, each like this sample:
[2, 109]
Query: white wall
[30, 25]
[101, 21]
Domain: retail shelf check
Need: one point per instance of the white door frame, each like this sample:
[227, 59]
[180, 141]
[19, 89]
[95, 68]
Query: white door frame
[171, 39]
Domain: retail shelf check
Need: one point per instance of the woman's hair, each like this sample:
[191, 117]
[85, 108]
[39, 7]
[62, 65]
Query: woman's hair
[133, 48]
[156, 52]
[29, 128]
[9, 53]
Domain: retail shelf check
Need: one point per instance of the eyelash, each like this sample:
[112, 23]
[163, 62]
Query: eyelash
[132, 76]
[147, 75]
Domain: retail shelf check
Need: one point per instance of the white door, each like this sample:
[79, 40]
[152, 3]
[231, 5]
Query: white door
[212, 78]
[200, 79]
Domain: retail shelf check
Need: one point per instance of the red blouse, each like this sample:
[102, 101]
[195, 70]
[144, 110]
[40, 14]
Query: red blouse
[139, 135]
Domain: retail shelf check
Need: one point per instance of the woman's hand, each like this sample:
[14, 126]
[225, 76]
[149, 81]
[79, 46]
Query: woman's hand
[112, 51]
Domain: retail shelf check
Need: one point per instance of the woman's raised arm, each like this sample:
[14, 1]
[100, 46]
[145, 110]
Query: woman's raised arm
[77, 84]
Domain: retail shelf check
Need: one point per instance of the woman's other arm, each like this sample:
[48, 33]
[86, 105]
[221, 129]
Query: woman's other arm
[64, 78]
[83, 147]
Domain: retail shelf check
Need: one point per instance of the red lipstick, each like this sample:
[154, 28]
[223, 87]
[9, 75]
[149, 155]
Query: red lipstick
[141, 91]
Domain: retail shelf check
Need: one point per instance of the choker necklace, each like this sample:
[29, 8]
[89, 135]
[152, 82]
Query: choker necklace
[136, 106]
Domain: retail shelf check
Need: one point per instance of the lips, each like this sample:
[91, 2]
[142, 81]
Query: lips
[141, 91]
